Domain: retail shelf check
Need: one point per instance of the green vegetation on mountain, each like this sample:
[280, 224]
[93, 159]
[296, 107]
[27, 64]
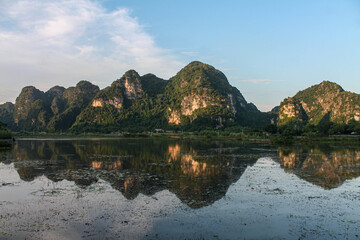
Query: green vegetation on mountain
[32, 111]
[199, 97]
[70, 105]
[7, 115]
[153, 85]
[326, 99]
[322, 109]
[53, 110]
[198, 90]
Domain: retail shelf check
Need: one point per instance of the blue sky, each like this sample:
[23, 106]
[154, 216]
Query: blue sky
[268, 49]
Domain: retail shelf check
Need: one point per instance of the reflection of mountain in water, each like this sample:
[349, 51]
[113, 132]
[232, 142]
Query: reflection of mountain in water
[198, 173]
[322, 166]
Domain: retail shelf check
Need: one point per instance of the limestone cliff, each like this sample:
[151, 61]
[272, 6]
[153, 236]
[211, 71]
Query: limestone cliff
[197, 97]
[325, 100]
[128, 88]
[291, 109]
[200, 90]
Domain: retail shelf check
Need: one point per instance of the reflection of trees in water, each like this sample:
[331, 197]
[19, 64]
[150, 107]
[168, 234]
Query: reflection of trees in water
[198, 173]
[4, 155]
[54, 159]
[324, 166]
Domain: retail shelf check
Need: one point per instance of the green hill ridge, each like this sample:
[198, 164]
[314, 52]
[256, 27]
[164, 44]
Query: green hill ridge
[326, 101]
[198, 97]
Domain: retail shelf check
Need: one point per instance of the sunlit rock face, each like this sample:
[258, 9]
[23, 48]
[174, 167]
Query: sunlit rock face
[291, 110]
[192, 102]
[131, 84]
[357, 116]
[328, 170]
[231, 101]
[127, 87]
[174, 117]
[117, 102]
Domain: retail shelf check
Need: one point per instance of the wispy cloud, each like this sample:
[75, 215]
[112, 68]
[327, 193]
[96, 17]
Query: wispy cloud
[258, 81]
[50, 42]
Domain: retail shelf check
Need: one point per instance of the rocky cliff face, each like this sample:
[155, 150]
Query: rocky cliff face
[200, 90]
[112, 103]
[122, 91]
[326, 99]
[198, 95]
[130, 84]
[290, 109]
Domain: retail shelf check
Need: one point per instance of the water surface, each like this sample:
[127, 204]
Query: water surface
[177, 189]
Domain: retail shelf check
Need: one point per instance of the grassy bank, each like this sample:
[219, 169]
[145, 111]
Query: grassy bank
[276, 139]
[213, 135]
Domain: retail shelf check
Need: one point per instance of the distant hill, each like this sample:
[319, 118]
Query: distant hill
[53, 110]
[326, 101]
[7, 114]
[198, 97]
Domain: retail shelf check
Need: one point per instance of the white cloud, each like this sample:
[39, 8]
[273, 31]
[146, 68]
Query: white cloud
[59, 42]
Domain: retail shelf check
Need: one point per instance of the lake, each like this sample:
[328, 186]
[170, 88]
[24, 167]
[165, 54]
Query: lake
[177, 189]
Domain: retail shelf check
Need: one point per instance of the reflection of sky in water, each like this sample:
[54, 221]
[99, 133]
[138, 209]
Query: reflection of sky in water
[265, 202]
[261, 201]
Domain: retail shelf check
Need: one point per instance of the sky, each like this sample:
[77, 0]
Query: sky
[268, 49]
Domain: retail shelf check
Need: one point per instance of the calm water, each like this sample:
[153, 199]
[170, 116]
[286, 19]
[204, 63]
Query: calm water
[176, 189]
